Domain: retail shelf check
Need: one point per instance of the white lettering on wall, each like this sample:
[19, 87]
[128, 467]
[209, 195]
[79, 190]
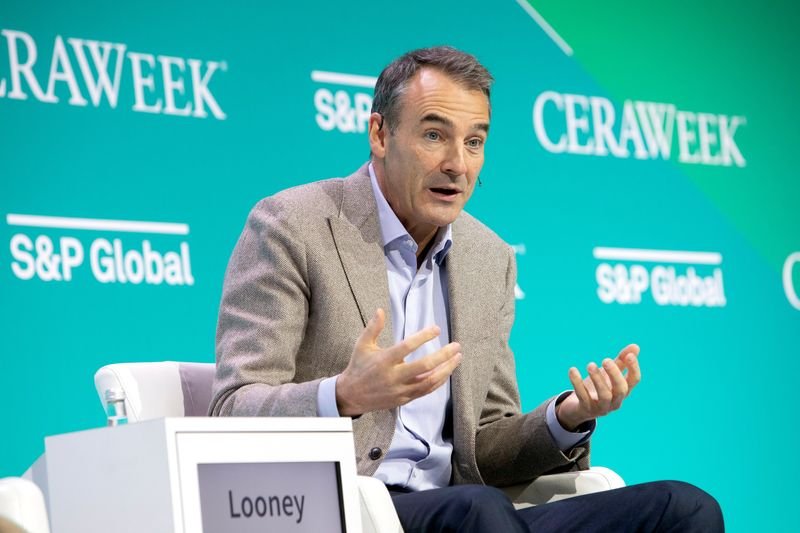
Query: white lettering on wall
[128, 261]
[590, 125]
[635, 272]
[167, 88]
[346, 111]
[788, 283]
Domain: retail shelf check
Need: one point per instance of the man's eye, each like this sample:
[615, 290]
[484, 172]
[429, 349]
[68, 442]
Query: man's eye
[432, 136]
[475, 143]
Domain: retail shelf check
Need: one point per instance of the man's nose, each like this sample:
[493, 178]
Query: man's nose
[455, 163]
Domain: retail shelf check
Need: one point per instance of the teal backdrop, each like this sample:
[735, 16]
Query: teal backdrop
[642, 161]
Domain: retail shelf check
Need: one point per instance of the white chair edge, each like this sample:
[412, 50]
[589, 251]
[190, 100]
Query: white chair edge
[22, 502]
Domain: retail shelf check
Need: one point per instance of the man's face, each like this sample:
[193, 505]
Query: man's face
[427, 166]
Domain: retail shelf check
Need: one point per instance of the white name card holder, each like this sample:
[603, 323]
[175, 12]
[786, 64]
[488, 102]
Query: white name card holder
[210, 475]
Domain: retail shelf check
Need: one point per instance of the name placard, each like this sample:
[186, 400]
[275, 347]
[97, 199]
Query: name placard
[257, 497]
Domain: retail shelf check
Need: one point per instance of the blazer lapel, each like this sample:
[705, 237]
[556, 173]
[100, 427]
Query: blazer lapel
[463, 276]
[357, 237]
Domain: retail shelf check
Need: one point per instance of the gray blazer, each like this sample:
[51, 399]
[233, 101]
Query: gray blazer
[307, 274]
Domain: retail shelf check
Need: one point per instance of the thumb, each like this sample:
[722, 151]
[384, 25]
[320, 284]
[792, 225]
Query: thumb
[373, 328]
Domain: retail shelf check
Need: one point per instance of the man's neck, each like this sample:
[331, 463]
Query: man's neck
[423, 237]
[423, 248]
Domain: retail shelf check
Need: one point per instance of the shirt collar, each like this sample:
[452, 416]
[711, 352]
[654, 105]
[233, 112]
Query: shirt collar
[392, 229]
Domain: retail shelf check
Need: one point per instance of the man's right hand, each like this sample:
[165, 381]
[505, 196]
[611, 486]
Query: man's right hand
[378, 378]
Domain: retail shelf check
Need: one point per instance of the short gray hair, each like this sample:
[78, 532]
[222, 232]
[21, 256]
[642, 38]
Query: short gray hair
[461, 67]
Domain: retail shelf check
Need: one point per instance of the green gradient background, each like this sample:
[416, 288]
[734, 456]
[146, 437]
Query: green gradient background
[717, 405]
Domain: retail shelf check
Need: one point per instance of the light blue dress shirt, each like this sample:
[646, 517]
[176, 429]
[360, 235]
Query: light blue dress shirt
[420, 453]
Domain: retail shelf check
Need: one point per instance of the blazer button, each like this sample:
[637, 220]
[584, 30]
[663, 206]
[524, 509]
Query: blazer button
[375, 453]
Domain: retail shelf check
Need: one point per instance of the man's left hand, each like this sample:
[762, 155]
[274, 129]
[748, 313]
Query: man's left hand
[602, 391]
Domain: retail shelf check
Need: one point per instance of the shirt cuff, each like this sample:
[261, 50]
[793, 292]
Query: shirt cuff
[326, 397]
[564, 438]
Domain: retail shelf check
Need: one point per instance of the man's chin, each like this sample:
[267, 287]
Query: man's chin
[443, 219]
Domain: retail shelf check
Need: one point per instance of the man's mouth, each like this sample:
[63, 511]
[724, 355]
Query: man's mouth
[445, 193]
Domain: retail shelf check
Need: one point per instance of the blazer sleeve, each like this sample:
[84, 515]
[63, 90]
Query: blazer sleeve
[262, 319]
[511, 447]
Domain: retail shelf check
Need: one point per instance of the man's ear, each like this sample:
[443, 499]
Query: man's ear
[377, 135]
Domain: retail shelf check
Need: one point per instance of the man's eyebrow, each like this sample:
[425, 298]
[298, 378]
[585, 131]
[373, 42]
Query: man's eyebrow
[433, 117]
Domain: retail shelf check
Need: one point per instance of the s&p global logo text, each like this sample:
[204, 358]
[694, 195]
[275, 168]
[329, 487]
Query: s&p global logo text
[38, 254]
[591, 125]
[343, 102]
[674, 278]
[162, 84]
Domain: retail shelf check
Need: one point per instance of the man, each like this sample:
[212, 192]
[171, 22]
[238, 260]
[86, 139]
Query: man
[303, 327]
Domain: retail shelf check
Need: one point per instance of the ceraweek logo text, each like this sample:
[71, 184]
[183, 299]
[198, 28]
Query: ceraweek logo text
[158, 89]
[54, 259]
[590, 125]
[662, 273]
[338, 109]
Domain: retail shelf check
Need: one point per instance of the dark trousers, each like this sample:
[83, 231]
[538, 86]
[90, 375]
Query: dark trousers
[660, 506]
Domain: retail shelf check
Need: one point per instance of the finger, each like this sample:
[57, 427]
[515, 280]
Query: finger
[599, 378]
[631, 348]
[634, 372]
[433, 379]
[369, 336]
[410, 371]
[604, 374]
[580, 389]
[589, 384]
[619, 387]
[399, 351]
[623, 353]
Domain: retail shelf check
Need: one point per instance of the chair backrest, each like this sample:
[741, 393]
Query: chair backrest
[155, 390]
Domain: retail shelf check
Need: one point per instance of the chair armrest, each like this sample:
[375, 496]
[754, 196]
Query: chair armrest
[152, 390]
[22, 503]
[377, 510]
[554, 487]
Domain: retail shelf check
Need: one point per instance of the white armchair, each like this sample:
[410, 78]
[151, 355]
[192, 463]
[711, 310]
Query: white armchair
[22, 507]
[154, 390]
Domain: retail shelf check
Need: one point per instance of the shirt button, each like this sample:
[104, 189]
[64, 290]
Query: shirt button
[375, 453]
